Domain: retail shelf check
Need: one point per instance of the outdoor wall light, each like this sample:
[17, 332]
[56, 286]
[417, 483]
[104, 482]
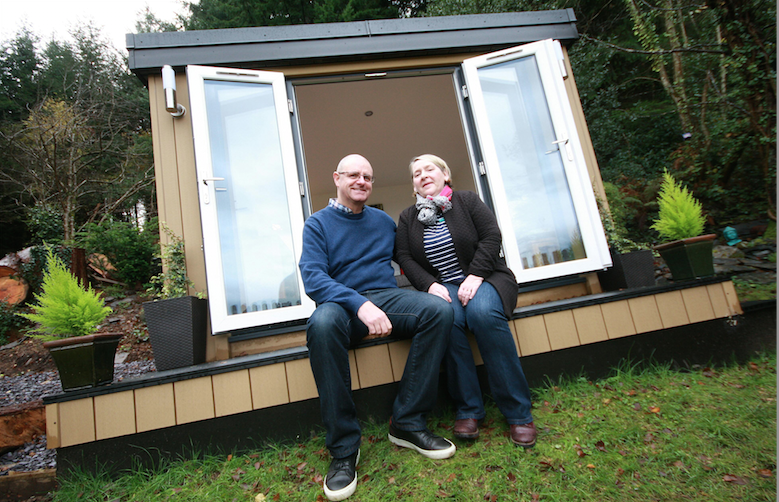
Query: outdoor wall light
[169, 86]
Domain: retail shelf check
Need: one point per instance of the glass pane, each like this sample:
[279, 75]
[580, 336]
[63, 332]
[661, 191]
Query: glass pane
[542, 211]
[255, 234]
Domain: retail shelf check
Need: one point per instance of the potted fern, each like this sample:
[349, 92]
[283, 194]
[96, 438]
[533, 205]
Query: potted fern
[680, 223]
[67, 316]
[176, 321]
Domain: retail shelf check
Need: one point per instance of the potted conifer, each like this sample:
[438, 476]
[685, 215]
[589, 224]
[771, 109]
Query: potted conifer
[176, 321]
[68, 315]
[680, 223]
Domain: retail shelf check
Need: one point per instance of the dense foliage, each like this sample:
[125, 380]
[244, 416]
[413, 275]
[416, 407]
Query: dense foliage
[64, 308]
[173, 281]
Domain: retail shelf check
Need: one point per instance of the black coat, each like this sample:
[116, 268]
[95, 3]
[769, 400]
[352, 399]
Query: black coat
[476, 238]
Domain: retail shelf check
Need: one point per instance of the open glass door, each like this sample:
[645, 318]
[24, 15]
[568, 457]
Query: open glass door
[534, 163]
[250, 205]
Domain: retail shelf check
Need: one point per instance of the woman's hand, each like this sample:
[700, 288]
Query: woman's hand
[439, 290]
[468, 288]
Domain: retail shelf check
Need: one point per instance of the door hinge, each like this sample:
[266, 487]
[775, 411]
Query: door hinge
[289, 105]
[560, 59]
[300, 187]
[465, 91]
[482, 169]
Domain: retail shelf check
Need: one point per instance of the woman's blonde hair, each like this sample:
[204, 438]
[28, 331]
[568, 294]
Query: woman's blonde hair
[436, 161]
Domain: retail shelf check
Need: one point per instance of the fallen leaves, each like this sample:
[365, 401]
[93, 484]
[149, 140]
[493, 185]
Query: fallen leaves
[736, 480]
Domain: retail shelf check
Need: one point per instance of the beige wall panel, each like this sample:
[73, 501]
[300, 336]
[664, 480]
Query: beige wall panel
[232, 393]
[300, 380]
[732, 296]
[698, 305]
[552, 294]
[590, 324]
[593, 283]
[269, 385]
[398, 354]
[619, 321]
[114, 415]
[194, 400]
[53, 426]
[531, 335]
[513, 329]
[561, 330]
[373, 365]
[353, 373]
[268, 344]
[718, 301]
[373, 65]
[646, 317]
[477, 359]
[155, 407]
[671, 308]
[77, 422]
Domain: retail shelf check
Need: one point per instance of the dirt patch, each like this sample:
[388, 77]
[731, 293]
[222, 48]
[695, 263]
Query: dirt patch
[29, 356]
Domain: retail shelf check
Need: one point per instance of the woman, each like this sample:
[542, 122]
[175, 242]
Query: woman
[448, 244]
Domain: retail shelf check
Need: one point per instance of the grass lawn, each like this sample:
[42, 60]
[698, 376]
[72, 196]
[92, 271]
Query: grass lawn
[642, 434]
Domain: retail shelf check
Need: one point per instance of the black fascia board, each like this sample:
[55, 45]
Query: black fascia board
[338, 42]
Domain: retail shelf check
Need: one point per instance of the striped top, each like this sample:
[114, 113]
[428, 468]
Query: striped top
[439, 249]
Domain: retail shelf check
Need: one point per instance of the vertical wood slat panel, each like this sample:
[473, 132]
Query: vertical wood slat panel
[671, 308]
[114, 415]
[155, 407]
[531, 335]
[618, 319]
[718, 301]
[732, 297]
[194, 400]
[590, 324]
[300, 380]
[698, 305]
[561, 330]
[374, 365]
[645, 315]
[513, 329]
[398, 354]
[269, 385]
[232, 393]
[353, 373]
[77, 422]
[52, 426]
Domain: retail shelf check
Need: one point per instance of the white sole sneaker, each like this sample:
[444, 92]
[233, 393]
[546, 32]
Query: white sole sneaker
[348, 490]
[434, 454]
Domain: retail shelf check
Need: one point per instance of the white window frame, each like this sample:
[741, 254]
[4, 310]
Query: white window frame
[549, 57]
[220, 321]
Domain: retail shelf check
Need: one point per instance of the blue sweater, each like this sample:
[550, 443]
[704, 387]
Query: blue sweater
[347, 254]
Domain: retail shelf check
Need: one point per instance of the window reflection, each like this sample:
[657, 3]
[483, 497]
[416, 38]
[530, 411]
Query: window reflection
[540, 203]
[255, 235]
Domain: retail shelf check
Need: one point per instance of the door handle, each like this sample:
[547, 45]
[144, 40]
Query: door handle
[205, 192]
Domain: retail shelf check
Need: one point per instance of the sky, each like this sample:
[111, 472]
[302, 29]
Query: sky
[55, 18]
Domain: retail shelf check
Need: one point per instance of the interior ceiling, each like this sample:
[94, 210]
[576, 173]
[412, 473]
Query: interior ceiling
[387, 120]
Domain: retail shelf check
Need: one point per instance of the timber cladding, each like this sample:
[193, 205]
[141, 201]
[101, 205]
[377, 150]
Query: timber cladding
[126, 412]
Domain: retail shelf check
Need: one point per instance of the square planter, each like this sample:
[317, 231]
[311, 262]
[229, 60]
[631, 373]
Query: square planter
[177, 331]
[629, 270]
[85, 361]
[689, 258]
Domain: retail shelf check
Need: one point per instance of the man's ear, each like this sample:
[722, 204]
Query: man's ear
[335, 177]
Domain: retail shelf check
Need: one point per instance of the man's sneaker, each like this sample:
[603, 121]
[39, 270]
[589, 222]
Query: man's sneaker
[341, 479]
[424, 442]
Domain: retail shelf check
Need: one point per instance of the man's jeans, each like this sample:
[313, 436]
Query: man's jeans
[485, 318]
[331, 331]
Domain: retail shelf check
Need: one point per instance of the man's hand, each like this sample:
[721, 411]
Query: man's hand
[468, 288]
[439, 290]
[375, 319]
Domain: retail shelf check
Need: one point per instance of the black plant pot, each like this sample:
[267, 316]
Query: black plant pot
[629, 270]
[689, 258]
[85, 361]
[177, 330]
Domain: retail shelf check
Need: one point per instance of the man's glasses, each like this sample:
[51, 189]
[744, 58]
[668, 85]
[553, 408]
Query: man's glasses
[354, 176]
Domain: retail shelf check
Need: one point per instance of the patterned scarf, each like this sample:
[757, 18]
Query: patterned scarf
[429, 206]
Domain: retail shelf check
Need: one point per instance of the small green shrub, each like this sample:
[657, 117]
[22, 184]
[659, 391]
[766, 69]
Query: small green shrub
[65, 309]
[172, 282]
[33, 270]
[44, 223]
[129, 250]
[681, 215]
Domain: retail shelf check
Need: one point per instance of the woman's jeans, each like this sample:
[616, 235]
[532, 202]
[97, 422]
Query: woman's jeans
[332, 331]
[484, 317]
